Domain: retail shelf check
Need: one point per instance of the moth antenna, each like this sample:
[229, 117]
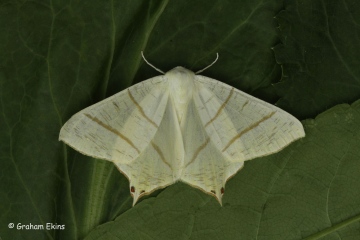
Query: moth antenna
[217, 56]
[142, 54]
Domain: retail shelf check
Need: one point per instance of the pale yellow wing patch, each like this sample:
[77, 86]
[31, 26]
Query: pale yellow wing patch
[205, 166]
[241, 126]
[225, 127]
[119, 127]
[159, 164]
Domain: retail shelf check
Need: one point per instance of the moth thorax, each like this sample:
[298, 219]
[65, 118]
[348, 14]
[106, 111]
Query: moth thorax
[181, 84]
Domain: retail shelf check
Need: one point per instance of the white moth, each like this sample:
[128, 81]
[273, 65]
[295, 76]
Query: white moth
[180, 127]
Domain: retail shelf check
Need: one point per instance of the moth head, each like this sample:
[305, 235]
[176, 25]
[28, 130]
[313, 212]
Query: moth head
[181, 84]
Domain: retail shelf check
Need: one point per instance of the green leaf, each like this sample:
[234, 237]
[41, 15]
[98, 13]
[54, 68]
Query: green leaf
[59, 57]
[319, 55]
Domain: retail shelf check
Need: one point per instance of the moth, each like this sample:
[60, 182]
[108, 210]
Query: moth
[180, 126]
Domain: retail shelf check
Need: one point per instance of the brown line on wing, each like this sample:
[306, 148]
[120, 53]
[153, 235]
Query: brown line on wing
[118, 108]
[198, 151]
[113, 130]
[220, 108]
[141, 110]
[247, 130]
[158, 150]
